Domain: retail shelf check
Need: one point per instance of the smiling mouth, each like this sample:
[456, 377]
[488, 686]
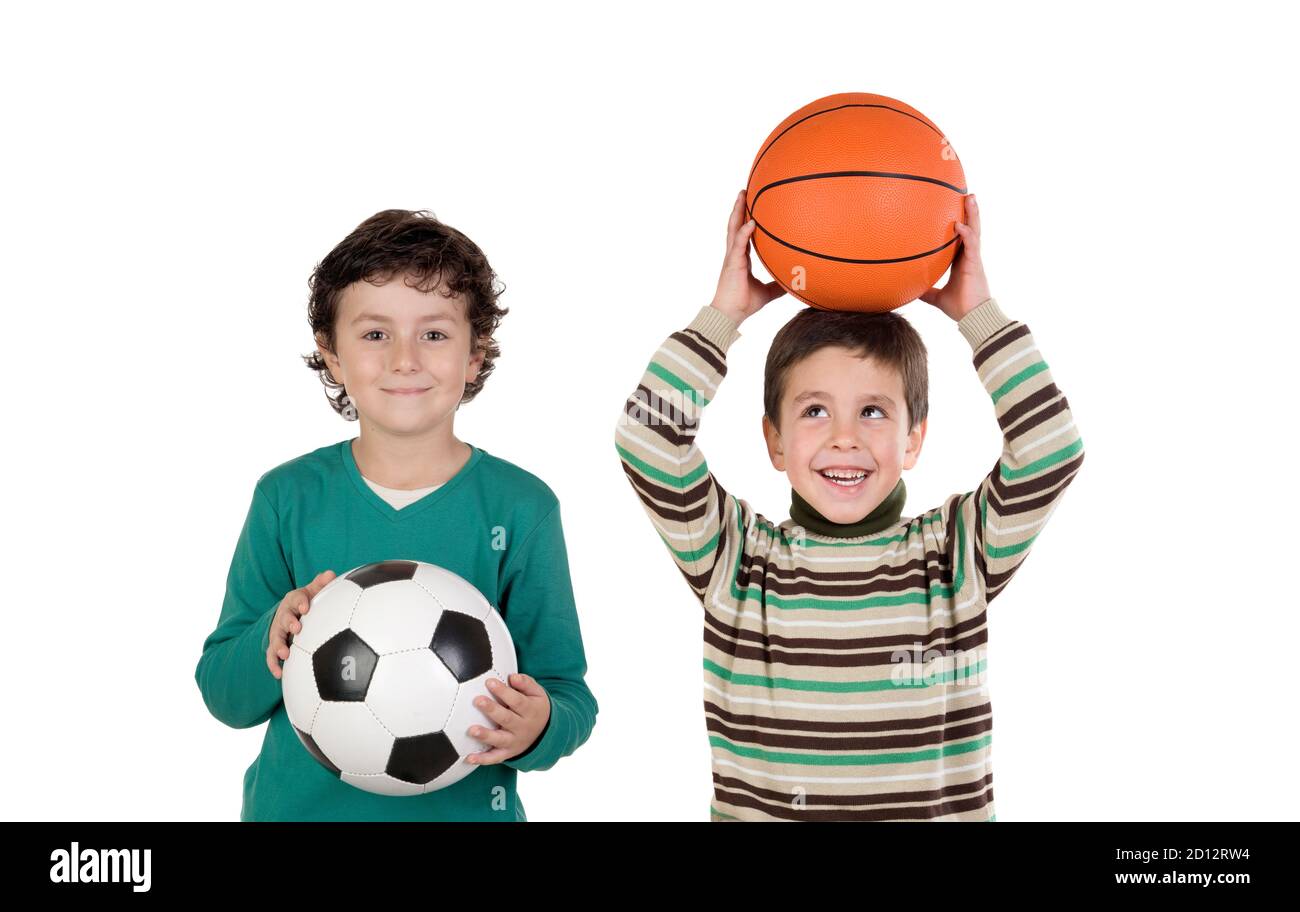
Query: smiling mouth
[845, 479]
[406, 392]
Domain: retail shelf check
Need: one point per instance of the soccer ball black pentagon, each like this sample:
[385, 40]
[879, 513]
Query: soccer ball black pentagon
[380, 681]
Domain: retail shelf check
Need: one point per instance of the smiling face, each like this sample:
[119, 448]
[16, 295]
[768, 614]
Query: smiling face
[843, 415]
[393, 337]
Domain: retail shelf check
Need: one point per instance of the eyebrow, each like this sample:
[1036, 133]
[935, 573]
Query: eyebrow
[873, 397]
[380, 318]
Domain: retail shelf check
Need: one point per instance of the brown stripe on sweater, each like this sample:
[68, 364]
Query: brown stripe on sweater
[670, 435]
[704, 340]
[837, 659]
[791, 575]
[1007, 498]
[692, 502]
[859, 726]
[890, 742]
[903, 796]
[646, 408]
[1038, 418]
[919, 581]
[1026, 405]
[909, 796]
[849, 589]
[758, 562]
[704, 349]
[786, 810]
[1005, 327]
[661, 400]
[950, 510]
[697, 581]
[729, 631]
[724, 525]
[994, 582]
[998, 341]
[831, 585]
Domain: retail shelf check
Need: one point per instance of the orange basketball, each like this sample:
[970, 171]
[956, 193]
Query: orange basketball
[855, 197]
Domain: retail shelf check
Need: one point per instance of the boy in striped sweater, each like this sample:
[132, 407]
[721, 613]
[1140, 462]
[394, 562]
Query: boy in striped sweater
[844, 648]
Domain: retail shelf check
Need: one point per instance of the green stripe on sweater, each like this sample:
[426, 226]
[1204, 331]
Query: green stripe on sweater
[649, 471]
[1036, 368]
[1051, 459]
[921, 756]
[949, 676]
[677, 382]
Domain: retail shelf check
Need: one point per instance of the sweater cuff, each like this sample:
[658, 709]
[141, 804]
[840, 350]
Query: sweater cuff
[715, 326]
[982, 322]
[540, 738]
[267, 620]
[547, 749]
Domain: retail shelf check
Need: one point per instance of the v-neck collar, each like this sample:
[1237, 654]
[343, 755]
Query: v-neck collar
[390, 512]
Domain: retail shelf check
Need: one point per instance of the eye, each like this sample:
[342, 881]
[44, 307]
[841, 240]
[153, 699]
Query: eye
[373, 331]
[807, 412]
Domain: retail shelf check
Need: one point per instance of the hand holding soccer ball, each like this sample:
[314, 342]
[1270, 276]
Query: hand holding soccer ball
[285, 623]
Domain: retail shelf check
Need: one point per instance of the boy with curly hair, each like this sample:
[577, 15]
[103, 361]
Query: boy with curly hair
[844, 647]
[403, 312]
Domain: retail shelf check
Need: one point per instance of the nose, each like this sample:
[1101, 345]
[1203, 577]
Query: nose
[405, 354]
[844, 434]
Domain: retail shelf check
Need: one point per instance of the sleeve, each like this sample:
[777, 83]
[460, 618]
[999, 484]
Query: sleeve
[655, 439]
[237, 687]
[997, 523]
[537, 605]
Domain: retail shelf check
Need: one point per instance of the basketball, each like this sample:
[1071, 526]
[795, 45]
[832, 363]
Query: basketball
[854, 199]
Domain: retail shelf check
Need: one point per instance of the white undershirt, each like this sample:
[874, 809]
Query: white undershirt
[396, 497]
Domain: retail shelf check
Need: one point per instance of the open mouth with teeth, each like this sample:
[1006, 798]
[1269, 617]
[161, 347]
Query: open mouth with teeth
[845, 479]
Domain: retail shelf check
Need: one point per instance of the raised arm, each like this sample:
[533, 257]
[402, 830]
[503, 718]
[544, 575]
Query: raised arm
[655, 436]
[655, 439]
[989, 530]
[1041, 453]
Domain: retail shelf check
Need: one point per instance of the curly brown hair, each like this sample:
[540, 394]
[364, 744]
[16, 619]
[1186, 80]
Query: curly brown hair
[430, 255]
[886, 337]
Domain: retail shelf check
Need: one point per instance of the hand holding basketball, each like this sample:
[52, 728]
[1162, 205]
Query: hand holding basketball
[740, 294]
[967, 286]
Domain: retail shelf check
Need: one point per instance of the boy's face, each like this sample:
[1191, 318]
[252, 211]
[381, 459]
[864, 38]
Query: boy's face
[833, 417]
[393, 337]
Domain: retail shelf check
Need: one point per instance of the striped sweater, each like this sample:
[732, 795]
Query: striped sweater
[844, 678]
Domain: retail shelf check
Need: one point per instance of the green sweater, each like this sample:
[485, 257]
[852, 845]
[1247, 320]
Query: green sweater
[316, 513]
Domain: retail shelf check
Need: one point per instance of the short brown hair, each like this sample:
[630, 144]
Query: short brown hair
[415, 245]
[884, 337]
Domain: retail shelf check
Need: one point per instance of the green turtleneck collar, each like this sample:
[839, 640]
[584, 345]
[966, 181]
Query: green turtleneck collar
[884, 516]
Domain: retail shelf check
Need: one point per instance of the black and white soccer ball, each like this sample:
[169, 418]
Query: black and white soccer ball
[381, 679]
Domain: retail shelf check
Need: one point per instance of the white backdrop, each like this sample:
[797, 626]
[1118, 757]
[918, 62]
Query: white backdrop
[172, 174]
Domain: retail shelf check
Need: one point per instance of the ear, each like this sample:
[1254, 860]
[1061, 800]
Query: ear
[331, 360]
[475, 364]
[914, 441]
[775, 449]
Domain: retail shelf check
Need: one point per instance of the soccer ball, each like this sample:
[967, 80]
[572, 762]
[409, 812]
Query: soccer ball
[380, 682]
